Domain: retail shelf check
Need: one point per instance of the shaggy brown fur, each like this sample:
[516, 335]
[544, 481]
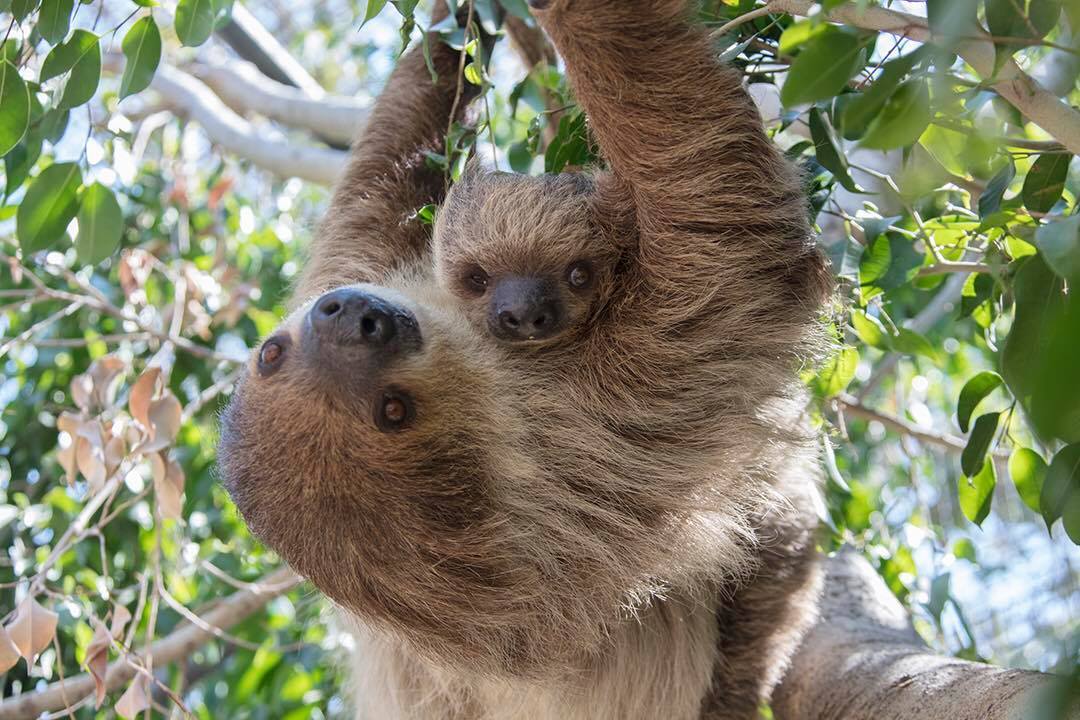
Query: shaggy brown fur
[614, 525]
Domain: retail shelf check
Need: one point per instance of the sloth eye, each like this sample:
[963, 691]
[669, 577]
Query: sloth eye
[395, 411]
[476, 280]
[271, 354]
[579, 275]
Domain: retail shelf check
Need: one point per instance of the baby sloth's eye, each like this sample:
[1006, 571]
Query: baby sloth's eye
[271, 354]
[476, 280]
[395, 411]
[579, 275]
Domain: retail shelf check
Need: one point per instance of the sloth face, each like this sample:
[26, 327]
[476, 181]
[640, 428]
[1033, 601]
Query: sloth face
[522, 255]
[361, 444]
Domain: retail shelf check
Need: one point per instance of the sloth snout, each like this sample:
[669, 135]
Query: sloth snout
[351, 316]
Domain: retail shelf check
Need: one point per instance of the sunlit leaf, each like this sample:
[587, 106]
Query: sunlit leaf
[870, 330]
[9, 653]
[14, 109]
[80, 57]
[1028, 472]
[976, 493]
[142, 51]
[836, 374]
[194, 21]
[371, 9]
[135, 699]
[974, 391]
[50, 204]
[100, 225]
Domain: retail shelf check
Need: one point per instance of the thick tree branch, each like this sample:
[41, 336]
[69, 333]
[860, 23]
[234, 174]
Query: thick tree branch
[1038, 104]
[863, 661]
[245, 89]
[186, 95]
[175, 646]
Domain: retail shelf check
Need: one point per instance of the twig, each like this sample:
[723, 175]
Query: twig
[940, 268]
[741, 20]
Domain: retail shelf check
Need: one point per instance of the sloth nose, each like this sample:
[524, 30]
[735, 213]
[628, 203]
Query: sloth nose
[352, 316]
[525, 309]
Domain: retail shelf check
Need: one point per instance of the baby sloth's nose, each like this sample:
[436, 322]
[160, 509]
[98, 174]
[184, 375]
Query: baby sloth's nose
[353, 316]
[525, 309]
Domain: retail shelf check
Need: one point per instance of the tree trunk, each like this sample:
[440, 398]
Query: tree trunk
[864, 661]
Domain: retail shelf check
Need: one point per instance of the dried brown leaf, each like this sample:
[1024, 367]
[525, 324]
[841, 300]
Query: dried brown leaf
[115, 450]
[9, 654]
[97, 661]
[106, 373]
[135, 699]
[142, 392]
[32, 628]
[168, 486]
[121, 617]
[82, 391]
[164, 414]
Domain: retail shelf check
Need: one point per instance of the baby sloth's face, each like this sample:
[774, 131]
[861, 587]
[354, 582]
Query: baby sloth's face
[523, 256]
[520, 307]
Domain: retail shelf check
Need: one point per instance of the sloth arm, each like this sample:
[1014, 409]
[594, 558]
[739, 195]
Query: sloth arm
[369, 228]
[721, 221]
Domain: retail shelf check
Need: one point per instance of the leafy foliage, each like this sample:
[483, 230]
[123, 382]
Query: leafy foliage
[140, 262]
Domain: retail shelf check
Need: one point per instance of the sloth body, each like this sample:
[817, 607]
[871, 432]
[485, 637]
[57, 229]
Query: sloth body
[615, 522]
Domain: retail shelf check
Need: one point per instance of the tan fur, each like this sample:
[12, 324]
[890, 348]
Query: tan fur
[617, 524]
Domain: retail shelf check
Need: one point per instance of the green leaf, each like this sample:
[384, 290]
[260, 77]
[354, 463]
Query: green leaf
[990, 200]
[799, 33]
[939, 595]
[80, 57]
[974, 391]
[194, 21]
[374, 7]
[100, 225]
[21, 9]
[974, 454]
[14, 107]
[1019, 20]
[964, 549]
[142, 49]
[903, 118]
[1038, 360]
[912, 343]
[54, 19]
[870, 330]
[1061, 488]
[1045, 181]
[1028, 472]
[20, 161]
[837, 373]
[976, 493]
[50, 204]
[827, 149]
[862, 109]
[1059, 242]
[952, 19]
[520, 158]
[823, 67]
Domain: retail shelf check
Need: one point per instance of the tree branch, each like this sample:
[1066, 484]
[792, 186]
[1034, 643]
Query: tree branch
[864, 661]
[245, 89]
[1038, 104]
[178, 644]
[185, 95]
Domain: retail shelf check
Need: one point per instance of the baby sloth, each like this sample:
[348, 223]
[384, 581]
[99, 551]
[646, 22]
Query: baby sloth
[533, 277]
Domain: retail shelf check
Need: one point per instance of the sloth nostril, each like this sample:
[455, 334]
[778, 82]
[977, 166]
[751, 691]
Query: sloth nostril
[330, 309]
[540, 320]
[368, 325]
[508, 319]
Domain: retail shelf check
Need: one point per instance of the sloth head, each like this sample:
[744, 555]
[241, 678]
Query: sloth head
[361, 446]
[523, 255]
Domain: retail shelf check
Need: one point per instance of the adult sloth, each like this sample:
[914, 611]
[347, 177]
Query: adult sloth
[618, 525]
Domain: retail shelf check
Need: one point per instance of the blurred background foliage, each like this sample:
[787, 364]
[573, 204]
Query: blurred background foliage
[145, 249]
